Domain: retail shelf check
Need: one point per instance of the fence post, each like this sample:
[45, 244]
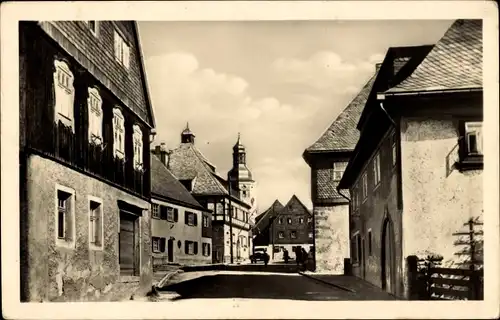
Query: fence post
[412, 276]
[347, 267]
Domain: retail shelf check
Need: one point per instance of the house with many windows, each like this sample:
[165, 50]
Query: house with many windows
[415, 176]
[287, 227]
[230, 209]
[85, 121]
[181, 229]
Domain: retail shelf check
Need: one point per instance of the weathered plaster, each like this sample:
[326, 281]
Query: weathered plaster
[438, 199]
[331, 237]
[57, 273]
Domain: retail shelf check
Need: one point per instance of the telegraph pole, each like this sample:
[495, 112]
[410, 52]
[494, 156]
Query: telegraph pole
[230, 222]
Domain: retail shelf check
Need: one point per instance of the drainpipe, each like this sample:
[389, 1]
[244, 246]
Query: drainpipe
[381, 96]
[344, 196]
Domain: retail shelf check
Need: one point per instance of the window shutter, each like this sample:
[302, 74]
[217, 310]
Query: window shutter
[208, 249]
[176, 215]
[186, 215]
[162, 244]
[196, 248]
[195, 219]
[186, 247]
[163, 212]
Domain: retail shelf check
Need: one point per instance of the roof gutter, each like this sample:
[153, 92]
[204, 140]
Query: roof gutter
[344, 196]
[382, 96]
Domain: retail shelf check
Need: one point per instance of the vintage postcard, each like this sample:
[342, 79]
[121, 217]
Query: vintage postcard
[278, 159]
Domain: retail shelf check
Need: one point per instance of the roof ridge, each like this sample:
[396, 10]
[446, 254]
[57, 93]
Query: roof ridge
[294, 196]
[199, 156]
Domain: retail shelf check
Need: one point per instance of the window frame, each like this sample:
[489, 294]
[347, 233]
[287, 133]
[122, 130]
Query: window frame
[99, 246]
[68, 241]
[118, 130]
[96, 24]
[121, 49]
[467, 160]
[95, 118]
[64, 94]
[138, 147]
[376, 170]
[293, 234]
[157, 207]
[156, 240]
[281, 235]
[335, 170]
[364, 185]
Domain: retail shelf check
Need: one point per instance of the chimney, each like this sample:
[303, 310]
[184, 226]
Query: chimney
[377, 66]
[162, 153]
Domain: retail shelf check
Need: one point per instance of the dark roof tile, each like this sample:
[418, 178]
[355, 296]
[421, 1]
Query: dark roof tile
[455, 62]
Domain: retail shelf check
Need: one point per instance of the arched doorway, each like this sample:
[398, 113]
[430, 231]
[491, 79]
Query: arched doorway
[388, 256]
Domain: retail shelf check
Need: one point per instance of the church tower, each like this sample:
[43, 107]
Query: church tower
[241, 177]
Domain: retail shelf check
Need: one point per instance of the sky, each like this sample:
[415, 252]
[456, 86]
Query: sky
[279, 83]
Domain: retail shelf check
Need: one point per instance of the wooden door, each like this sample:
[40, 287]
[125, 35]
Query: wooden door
[127, 245]
[170, 250]
[388, 268]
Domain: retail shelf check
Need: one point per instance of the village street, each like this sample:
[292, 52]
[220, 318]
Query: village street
[284, 285]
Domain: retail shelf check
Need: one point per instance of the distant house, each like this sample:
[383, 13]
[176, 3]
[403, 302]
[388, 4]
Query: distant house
[181, 229]
[85, 125]
[230, 211]
[415, 176]
[285, 227]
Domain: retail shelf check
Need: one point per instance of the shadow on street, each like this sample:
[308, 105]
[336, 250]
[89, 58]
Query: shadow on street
[258, 286]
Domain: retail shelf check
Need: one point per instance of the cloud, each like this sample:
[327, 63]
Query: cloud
[324, 70]
[217, 106]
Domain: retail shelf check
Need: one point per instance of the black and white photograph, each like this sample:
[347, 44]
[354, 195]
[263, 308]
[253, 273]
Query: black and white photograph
[173, 158]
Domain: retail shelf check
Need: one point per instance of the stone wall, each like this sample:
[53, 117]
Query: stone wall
[438, 199]
[55, 273]
[331, 238]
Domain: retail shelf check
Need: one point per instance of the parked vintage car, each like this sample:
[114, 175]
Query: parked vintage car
[259, 254]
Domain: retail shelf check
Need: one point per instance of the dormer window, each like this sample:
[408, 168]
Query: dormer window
[338, 170]
[94, 103]
[118, 134]
[122, 50]
[138, 158]
[64, 94]
[93, 27]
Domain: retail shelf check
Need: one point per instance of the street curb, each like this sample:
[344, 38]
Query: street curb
[326, 282]
[167, 277]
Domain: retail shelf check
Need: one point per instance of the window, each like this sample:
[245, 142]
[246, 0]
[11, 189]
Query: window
[119, 134]
[94, 103]
[369, 242]
[205, 221]
[301, 220]
[309, 220]
[65, 222]
[122, 50]
[155, 209]
[289, 220]
[293, 234]
[474, 138]
[394, 150]
[64, 94]
[471, 145]
[191, 247]
[365, 186]
[376, 169]
[206, 249]
[190, 218]
[93, 27]
[168, 213]
[310, 235]
[138, 155]
[95, 223]
[280, 221]
[355, 248]
[156, 244]
[281, 235]
[244, 193]
[338, 170]
[234, 212]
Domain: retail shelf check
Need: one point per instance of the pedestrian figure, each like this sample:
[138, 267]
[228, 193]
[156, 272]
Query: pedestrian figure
[285, 255]
[298, 257]
[303, 258]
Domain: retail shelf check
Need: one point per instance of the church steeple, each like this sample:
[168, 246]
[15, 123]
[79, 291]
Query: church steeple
[187, 136]
[239, 153]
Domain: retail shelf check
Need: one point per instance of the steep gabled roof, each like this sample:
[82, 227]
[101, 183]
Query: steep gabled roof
[455, 62]
[263, 222]
[342, 134]
[295, 207]
[165, 185]
[186, 163]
